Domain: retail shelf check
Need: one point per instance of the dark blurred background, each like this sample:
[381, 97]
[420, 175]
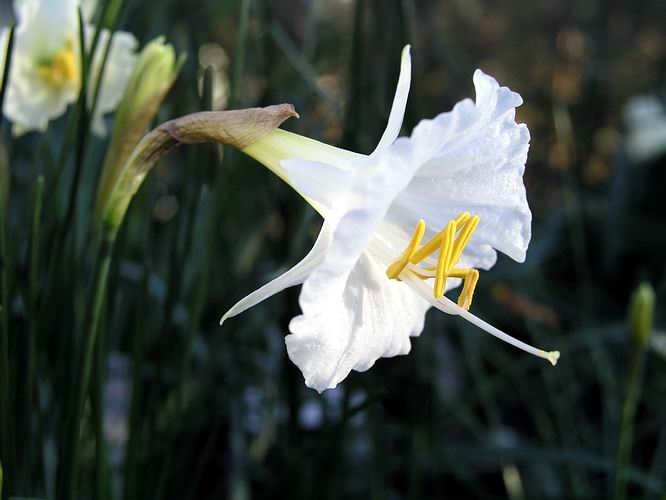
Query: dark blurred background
[221, 412]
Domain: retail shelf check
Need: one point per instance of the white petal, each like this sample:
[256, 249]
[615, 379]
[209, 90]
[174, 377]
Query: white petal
[30, 103]
[473, 160]
[25, 10]
[342, 283]
[117, 71]
[88, 7]
[292, 277]
[280, 151]
[372, 190]
[324, 183]
[399, 103]
[46, 24]
[373, 317]
[4, 40]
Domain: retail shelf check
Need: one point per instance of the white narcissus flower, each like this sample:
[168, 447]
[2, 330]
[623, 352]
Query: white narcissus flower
[45, 75]
[368, 282]
[117, 72]
[645, 116]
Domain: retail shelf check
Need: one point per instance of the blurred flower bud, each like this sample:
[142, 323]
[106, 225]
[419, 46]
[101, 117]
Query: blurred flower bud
[155, 72]
[641, 314]
[238, 128]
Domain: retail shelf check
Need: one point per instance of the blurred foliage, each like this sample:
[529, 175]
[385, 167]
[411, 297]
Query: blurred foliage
[191, 410]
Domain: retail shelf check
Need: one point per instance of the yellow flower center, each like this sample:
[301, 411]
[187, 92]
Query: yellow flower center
[448, 244]
[62, 69]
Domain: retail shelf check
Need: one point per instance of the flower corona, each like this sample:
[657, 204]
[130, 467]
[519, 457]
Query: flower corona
[62, 69]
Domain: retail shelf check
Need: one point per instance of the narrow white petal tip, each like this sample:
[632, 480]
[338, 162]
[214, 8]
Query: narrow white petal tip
[406, 58]
[553, 356]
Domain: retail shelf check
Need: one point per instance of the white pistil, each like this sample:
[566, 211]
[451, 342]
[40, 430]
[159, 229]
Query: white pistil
[450, 307]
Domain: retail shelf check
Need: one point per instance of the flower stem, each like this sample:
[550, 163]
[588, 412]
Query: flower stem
[84, 366]
[641, 315]
[627, 424]
[7, 67]
[5, 449]
[31, 363]
[97, 404]
[82, 133]
[110, 13]
[136, 401]
[6, 431]
[240, 52]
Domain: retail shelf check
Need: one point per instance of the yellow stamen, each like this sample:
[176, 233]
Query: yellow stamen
[62, 69]
[394, 270]
[464, 237]
[450, 249]
[465, 298]
[457, 272]
[462, 218]
[444, 260]
[434, 243]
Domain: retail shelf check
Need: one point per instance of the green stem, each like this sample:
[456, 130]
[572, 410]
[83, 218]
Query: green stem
[5, 406]
[626, 438]
[111, 14]
[197, 310]
[192, 201]
[5, 70]
[31, 364]
[97, 403]
[108, 11]
[84, 367]
[82, 131]
[136, 404]
[5, 449]
[239, 52]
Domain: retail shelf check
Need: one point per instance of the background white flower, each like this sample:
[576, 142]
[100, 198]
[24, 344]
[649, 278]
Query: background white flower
[645, 116]
[45, 75]
[117, 72]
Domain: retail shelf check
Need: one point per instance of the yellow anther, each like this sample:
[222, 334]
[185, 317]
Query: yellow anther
[394, 270]
[471, 277]
[62, 69]
[463, 238]
[450, 249]
[462, 218]
[465, 297]
[444, 260]
[434, 242]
